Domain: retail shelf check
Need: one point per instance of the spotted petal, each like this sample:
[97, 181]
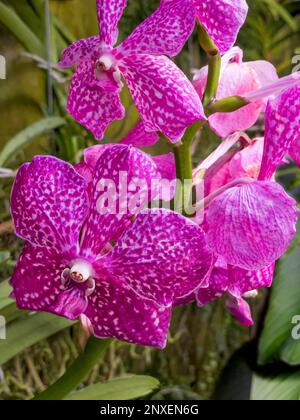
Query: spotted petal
[163, 95]
[116, 311]
[282, 130]
[222, 19]
[242, 281]
[123, 177]
[94, 103]
[162, 256]
[218, 286]
[37, 284]
[86, 49]
[109, 14]
[165, 31]
[251, 226]
[139, 137]
[49, 203]
[294, 151]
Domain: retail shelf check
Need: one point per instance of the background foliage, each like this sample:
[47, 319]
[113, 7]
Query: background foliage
[33, 120]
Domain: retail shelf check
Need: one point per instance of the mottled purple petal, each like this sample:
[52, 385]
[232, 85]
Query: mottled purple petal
[165, 31]
[37, 284]
[116, 311]
[85, 49]
[240, 309]
[49, 203]
[162, 256]
[282, 130]
[222, 19]
[251, 226]
[139, 137]
[108, 220]
[218, 286]
[242, 281]
[94, 103]
[163, 95]
[109, 14]
[294, 151]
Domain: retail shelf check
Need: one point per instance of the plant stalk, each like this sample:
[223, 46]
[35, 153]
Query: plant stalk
[77, 373]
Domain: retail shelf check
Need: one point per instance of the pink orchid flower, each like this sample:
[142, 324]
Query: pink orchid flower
[118, 273]
[221, 19]
[237, 79]
[165, 98]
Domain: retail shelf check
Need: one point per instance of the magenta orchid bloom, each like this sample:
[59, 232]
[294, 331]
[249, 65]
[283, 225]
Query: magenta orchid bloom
[222, 19]
[237, 78]
[165, 98]
[122, 275]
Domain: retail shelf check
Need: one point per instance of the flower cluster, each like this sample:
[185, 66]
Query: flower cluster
[124, 271]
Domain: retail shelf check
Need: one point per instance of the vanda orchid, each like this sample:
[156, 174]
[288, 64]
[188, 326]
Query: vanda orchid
[100, 244]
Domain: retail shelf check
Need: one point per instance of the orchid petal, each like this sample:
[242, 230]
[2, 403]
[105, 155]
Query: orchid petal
[49, 203]
[109, 14]
[222, 20]
[108, 220]
[164, 32]
[218, 285]
[282, 130]
[37, 284]
[163, 95]
[251, 226]
[116, 311]
[162, 256]
[85, 49]
[139, 137]
[247, 162]
[94, 103]
[294, 151]
[242, 281]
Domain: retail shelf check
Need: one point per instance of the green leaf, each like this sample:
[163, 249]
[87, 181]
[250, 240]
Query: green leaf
[126, 388]
[27, 331]
[4, 256]
[276, 342]
[5, 291]
[10, 19]
[283, 387]
[26, 136]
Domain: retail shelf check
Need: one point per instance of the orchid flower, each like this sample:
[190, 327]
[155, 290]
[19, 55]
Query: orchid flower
[165, 98]
[237, 78]
[118, 272]
[221, 19]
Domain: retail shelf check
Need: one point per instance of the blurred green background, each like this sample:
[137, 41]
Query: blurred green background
[34, 121]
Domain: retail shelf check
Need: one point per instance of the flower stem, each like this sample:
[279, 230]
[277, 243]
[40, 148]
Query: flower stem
[78, 372]
[230, 104]
[214, 65]
[184, 167]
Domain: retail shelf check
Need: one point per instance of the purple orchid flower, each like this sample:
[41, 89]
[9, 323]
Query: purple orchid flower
[222, 19]
[122, 275]
[165, 98]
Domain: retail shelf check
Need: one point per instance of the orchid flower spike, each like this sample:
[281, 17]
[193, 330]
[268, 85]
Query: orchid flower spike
[165, 98]
[120, 273]
[237, 78]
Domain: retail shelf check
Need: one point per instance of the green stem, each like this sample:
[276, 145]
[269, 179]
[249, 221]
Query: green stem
[78, 372]
[184, 167]
[214, 65]
[230, 104]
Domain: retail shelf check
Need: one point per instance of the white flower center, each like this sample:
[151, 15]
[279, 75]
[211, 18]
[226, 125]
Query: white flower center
[81, 271]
